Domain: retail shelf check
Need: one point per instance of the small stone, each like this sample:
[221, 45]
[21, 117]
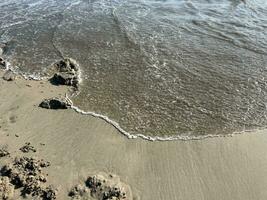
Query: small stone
[9, 76]
[27, 148]
[3, 152]
[42, 178]
[2, 63]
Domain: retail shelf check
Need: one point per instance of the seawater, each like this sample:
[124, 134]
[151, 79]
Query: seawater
[162, 68]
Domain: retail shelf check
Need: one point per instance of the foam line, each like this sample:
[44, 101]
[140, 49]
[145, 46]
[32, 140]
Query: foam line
[149, 138]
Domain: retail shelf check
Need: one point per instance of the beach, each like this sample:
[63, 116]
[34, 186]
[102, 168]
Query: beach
[77, 146]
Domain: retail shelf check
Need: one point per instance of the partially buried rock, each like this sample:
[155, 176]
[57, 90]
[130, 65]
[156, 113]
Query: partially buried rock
[9, 76]
[68, 73]
[27, 148]
[6, 188]
[54, 103]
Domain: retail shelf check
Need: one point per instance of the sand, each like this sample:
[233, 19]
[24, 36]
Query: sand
[77, 146]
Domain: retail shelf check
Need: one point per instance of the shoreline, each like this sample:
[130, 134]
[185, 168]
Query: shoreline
[116, 125]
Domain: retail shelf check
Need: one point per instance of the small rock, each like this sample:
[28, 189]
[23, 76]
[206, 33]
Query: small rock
[69, 79]
[27, 148]
[3, 152]
[9, 76]
[54, 103]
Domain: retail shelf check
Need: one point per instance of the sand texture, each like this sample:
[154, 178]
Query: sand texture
[76, 146]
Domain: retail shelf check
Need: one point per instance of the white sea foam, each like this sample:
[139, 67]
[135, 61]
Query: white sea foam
[36, 77]
[150, 138]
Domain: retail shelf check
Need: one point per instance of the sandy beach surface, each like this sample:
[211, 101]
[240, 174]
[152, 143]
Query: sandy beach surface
[225, 168]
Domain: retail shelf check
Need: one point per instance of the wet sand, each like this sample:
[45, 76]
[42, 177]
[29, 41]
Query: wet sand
[77, 146]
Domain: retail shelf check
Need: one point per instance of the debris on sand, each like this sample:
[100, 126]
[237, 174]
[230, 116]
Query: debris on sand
[26, 174]
[27, 148]
[6, 188]
[54, 103]
[9, 76]
[101, 187]
[3, 152]
[3, 63]
[67, 73]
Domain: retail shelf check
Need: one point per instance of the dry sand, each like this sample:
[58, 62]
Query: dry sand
[226, 168]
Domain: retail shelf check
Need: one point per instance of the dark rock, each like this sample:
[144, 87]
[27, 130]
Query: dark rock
[2, 63]
[54, 103]
[9, 76]
[69, 79]
[27, 148]
[68, 71]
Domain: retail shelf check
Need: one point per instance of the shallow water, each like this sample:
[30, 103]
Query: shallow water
[158, 68]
